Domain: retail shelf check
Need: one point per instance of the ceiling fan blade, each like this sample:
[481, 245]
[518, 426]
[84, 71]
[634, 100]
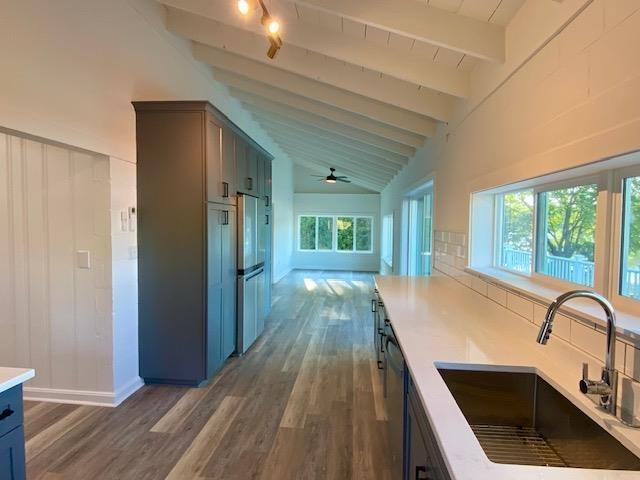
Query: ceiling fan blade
[342, 176]
[318, 176]
[343, 180]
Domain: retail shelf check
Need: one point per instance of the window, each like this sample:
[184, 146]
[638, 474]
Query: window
[335, 233]
[515, 230]
[567, 233]
[630, 258]
[387, 239]
[345, 233]
[308, 233]
[576, 227]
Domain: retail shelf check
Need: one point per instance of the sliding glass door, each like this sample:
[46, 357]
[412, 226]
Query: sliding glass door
[420, 208]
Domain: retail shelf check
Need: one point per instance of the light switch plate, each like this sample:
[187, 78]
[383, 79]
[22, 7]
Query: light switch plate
[124, 221]
[132, 219]
[83, 259]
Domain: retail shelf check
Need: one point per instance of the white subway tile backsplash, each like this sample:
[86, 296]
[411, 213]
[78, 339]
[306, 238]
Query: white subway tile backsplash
[497, 294]
[520, 305]
[632, 362]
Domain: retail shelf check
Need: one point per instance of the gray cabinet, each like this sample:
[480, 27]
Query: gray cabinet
[247, 168]
[12, 450]
[186, 242]
[221, 285]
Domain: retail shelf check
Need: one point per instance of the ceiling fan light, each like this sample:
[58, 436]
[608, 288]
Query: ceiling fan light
[243, 6]
[330, 180]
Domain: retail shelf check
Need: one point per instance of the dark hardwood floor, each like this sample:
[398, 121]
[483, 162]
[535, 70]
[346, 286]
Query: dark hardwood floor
[305, 403]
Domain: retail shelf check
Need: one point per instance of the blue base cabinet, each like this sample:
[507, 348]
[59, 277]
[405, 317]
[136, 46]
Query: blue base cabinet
[423, 460]
[12, 459]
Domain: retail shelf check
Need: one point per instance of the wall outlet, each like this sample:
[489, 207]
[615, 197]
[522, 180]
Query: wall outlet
[83, 259]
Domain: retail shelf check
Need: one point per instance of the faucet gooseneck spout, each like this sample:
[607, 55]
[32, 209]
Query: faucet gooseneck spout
[607, 387]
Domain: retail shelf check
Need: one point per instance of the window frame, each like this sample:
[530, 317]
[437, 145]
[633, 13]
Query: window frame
[498, 230]
[602, 235]
[334, 233]
[617, 225]
[386, 247]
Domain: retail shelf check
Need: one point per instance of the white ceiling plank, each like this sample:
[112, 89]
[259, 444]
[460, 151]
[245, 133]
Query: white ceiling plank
[317, 91]
[448, 5]
[309, 120]
[479, 9]
[448, 57]
[373, 153]
[355, 176]
[276, 100]
[353, 29]
[376, 35]
[371, 99]
[333, 150]
[422, 22]
[365, 170]
[323, 169]
[398, 62]
[333, 130]
[506, 11]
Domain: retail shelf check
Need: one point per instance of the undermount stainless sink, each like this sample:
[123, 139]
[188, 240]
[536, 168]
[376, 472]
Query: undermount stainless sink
[519, 418]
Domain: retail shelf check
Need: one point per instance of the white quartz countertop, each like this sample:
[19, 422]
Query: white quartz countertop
[10, 377]
[438, 321]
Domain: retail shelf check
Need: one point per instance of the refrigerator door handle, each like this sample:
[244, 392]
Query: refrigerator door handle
[253, 274]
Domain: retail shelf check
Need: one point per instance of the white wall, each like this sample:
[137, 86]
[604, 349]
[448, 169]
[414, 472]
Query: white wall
[338, 204]
[124, 278]
[70, 71]
[283, 230]
[574, 102]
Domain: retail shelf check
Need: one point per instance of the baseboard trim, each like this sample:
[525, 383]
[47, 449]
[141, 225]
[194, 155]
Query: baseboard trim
[83, 397]
[282, 275]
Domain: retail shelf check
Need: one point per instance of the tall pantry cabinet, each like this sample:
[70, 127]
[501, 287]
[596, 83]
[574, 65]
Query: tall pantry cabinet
[189, 161]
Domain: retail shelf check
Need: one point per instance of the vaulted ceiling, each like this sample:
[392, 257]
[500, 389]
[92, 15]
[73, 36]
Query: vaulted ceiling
[359, 84]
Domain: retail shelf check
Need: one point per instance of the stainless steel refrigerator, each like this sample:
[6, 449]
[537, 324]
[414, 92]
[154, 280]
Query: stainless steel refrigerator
[251, 276]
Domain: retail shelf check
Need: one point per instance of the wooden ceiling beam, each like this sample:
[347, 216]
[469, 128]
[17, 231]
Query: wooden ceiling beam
[200, 22]
[255, 93]
[422, 22]
[401, 105]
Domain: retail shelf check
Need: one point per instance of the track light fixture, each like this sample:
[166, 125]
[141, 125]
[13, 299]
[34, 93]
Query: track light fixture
[271, 24]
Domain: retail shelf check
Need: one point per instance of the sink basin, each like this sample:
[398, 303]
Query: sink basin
[519, 418]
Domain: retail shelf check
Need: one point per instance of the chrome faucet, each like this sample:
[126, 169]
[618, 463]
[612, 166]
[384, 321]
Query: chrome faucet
[607, 386]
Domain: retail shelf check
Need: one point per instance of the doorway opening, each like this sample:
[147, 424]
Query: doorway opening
[418, 228]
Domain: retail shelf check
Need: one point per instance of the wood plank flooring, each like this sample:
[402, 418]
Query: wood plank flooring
[304, 403]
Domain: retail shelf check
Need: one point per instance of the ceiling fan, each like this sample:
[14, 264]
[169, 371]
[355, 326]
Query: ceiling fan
[331, 178]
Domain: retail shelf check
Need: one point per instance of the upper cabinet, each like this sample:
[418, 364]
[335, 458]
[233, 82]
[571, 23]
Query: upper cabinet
[221, 162]
[247, 168]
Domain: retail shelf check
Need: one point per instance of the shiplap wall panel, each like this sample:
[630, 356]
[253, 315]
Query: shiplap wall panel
[61, 269]
[55, 317]
[36, 257]
[7, 317]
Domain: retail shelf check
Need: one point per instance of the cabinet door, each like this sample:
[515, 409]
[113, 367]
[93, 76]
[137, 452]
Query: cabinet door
[267, 182]
[260, 176]
[228, 169]
[216, 220]
[424, 460]
[241, 164]
[215, 174]
[229, 285]
[252, 171]
[12, 460]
